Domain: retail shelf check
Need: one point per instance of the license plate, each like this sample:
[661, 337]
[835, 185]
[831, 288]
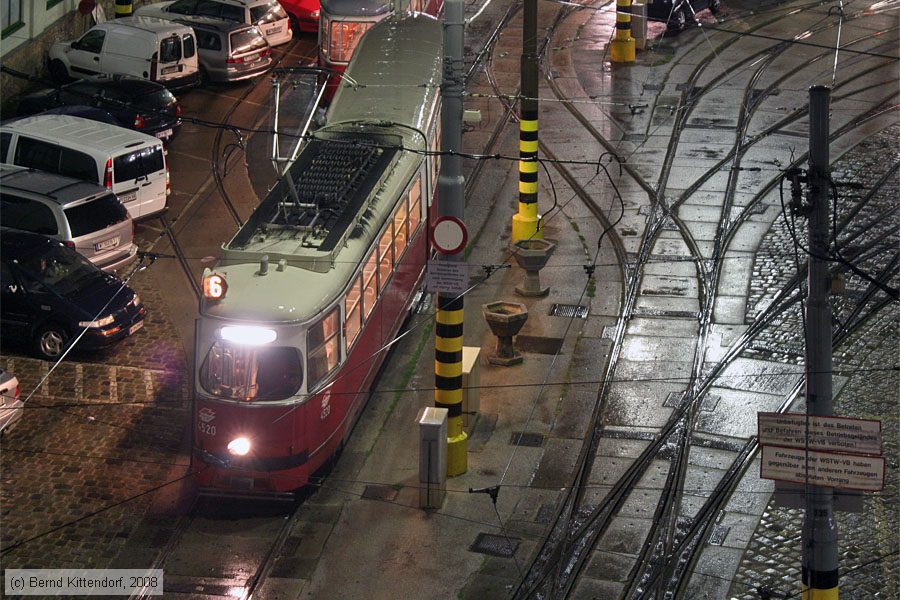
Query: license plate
[273, 31]
[168, 70]
[135, 327]
[164, 134]
[105, 244]
[251, 57]
[128, 197]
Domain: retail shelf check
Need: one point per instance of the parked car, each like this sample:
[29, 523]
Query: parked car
[11, 407]
[304, 14]
[82, 215]
[229, 51]
[152, 49]
[678, 13]
[268, 15]
[52, 297]
[130, 163]
[138, 104]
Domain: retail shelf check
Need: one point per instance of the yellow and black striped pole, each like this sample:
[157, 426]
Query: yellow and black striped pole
[124, 8]
[527, 223]
[622, 47]
[448, 392]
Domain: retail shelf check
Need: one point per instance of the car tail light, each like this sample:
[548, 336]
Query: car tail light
[177, 110]
[107, 176]
[70, 244]
[17, 391]
[138, 121]
[168, 185]
[234, 61]
[266, 52]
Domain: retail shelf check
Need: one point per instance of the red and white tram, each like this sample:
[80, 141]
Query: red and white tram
[343, 22]
[321, 277]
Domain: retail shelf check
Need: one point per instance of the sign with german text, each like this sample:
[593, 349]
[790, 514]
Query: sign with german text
[835, 434]
[447, 277]
[827, 469]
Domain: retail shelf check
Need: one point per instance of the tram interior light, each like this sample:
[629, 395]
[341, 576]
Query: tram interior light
[247, 334]
[239, 446]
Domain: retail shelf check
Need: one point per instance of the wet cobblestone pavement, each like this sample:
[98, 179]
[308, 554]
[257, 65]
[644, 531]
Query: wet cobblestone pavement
[101, 430]
[868, 540]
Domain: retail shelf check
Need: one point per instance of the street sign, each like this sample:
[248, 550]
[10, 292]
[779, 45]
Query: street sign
[449, 235]
[447, 277]
[828, 469]
[837, 434]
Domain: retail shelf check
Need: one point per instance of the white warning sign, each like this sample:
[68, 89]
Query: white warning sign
[837, 434]
[829, 469]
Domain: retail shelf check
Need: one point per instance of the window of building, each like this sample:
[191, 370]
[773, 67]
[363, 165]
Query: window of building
[10, 16]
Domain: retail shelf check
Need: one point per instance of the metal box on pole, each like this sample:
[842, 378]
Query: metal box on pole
[471, 382]
[432, 456]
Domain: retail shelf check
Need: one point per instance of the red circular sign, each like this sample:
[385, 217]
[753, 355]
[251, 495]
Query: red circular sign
[449, 235]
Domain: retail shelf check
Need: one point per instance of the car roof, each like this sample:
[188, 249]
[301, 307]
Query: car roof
[219, 25]
[57, 188]
[81, 131]
[153, 24]
[16, 244]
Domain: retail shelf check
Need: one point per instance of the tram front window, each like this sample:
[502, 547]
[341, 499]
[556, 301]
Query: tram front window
[343, 38]
[251, 373]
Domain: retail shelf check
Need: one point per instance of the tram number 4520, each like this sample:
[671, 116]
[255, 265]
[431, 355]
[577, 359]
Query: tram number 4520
[206, 428]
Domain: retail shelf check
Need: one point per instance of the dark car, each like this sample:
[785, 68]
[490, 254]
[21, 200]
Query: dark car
[138, 104]
[52, 297]
[678, 13]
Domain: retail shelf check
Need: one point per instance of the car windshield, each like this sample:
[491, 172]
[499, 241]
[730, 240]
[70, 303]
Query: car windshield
[267, 13]
[95, 215]
[59, 269]
[247, 40]
[251, 373]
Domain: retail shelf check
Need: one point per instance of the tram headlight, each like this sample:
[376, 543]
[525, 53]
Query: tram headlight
[250, 335]
[239, 446]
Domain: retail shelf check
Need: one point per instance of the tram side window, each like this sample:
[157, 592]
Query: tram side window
[251, 373]
[400, 230]
[384, 258]
[370, 284]
[415, 205]
[323, 347]
[345, 36]
[353, 311]
[435, 158]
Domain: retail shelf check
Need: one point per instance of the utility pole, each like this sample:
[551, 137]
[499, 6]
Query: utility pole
[527, 223]
[820, 536]
[448, 337]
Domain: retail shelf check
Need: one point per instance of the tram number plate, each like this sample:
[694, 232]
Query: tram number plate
[206, 428]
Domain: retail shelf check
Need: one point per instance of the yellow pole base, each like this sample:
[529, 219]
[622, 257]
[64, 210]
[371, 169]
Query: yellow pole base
[457, 459]
[622, 51]
[527, 228]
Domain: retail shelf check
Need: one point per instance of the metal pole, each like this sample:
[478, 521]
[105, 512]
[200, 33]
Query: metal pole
[622, 47]
[448, 337]
[527, 223]
[820, 536]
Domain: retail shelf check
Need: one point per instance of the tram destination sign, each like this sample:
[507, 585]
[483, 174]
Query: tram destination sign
[835, 434]
[828, 469]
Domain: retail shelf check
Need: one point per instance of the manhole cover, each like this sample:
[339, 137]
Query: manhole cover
[569, 311]
[524, 438]
[495, 545]
[380, 492]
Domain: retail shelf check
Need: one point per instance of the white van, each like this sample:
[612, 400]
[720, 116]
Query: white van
[130, 163]
[144, 47]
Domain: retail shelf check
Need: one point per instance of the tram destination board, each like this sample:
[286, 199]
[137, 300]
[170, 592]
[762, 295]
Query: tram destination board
[828, 469]
[834, 434]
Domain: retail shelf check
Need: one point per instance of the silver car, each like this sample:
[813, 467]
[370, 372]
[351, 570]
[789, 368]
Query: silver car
[229, 51]
[10, 404]
[82, 215]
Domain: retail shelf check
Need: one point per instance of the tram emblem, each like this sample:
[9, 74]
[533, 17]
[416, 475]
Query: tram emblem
[326, 406]
[206, 414]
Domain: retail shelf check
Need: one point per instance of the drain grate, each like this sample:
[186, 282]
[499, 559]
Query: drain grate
[495, 545]
[524, 438]
[569, 310]
[718, 535]
[380, 492]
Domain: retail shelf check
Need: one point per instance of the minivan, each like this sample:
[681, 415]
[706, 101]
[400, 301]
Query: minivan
[268, 15]
[130, 163]
[82, 215]
[153, 49]
[229, 51]
[52, 297]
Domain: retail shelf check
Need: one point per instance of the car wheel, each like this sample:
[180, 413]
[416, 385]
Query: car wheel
[678, 21]
[58, 72]
[51, 341]
[714, 6]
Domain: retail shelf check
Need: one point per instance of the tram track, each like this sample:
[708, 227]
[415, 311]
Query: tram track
[726, 231]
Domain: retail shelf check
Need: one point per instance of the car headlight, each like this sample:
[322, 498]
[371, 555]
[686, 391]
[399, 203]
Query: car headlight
[107, 320]
[315, 14]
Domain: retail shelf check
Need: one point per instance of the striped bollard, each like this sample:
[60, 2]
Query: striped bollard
[622, 50]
